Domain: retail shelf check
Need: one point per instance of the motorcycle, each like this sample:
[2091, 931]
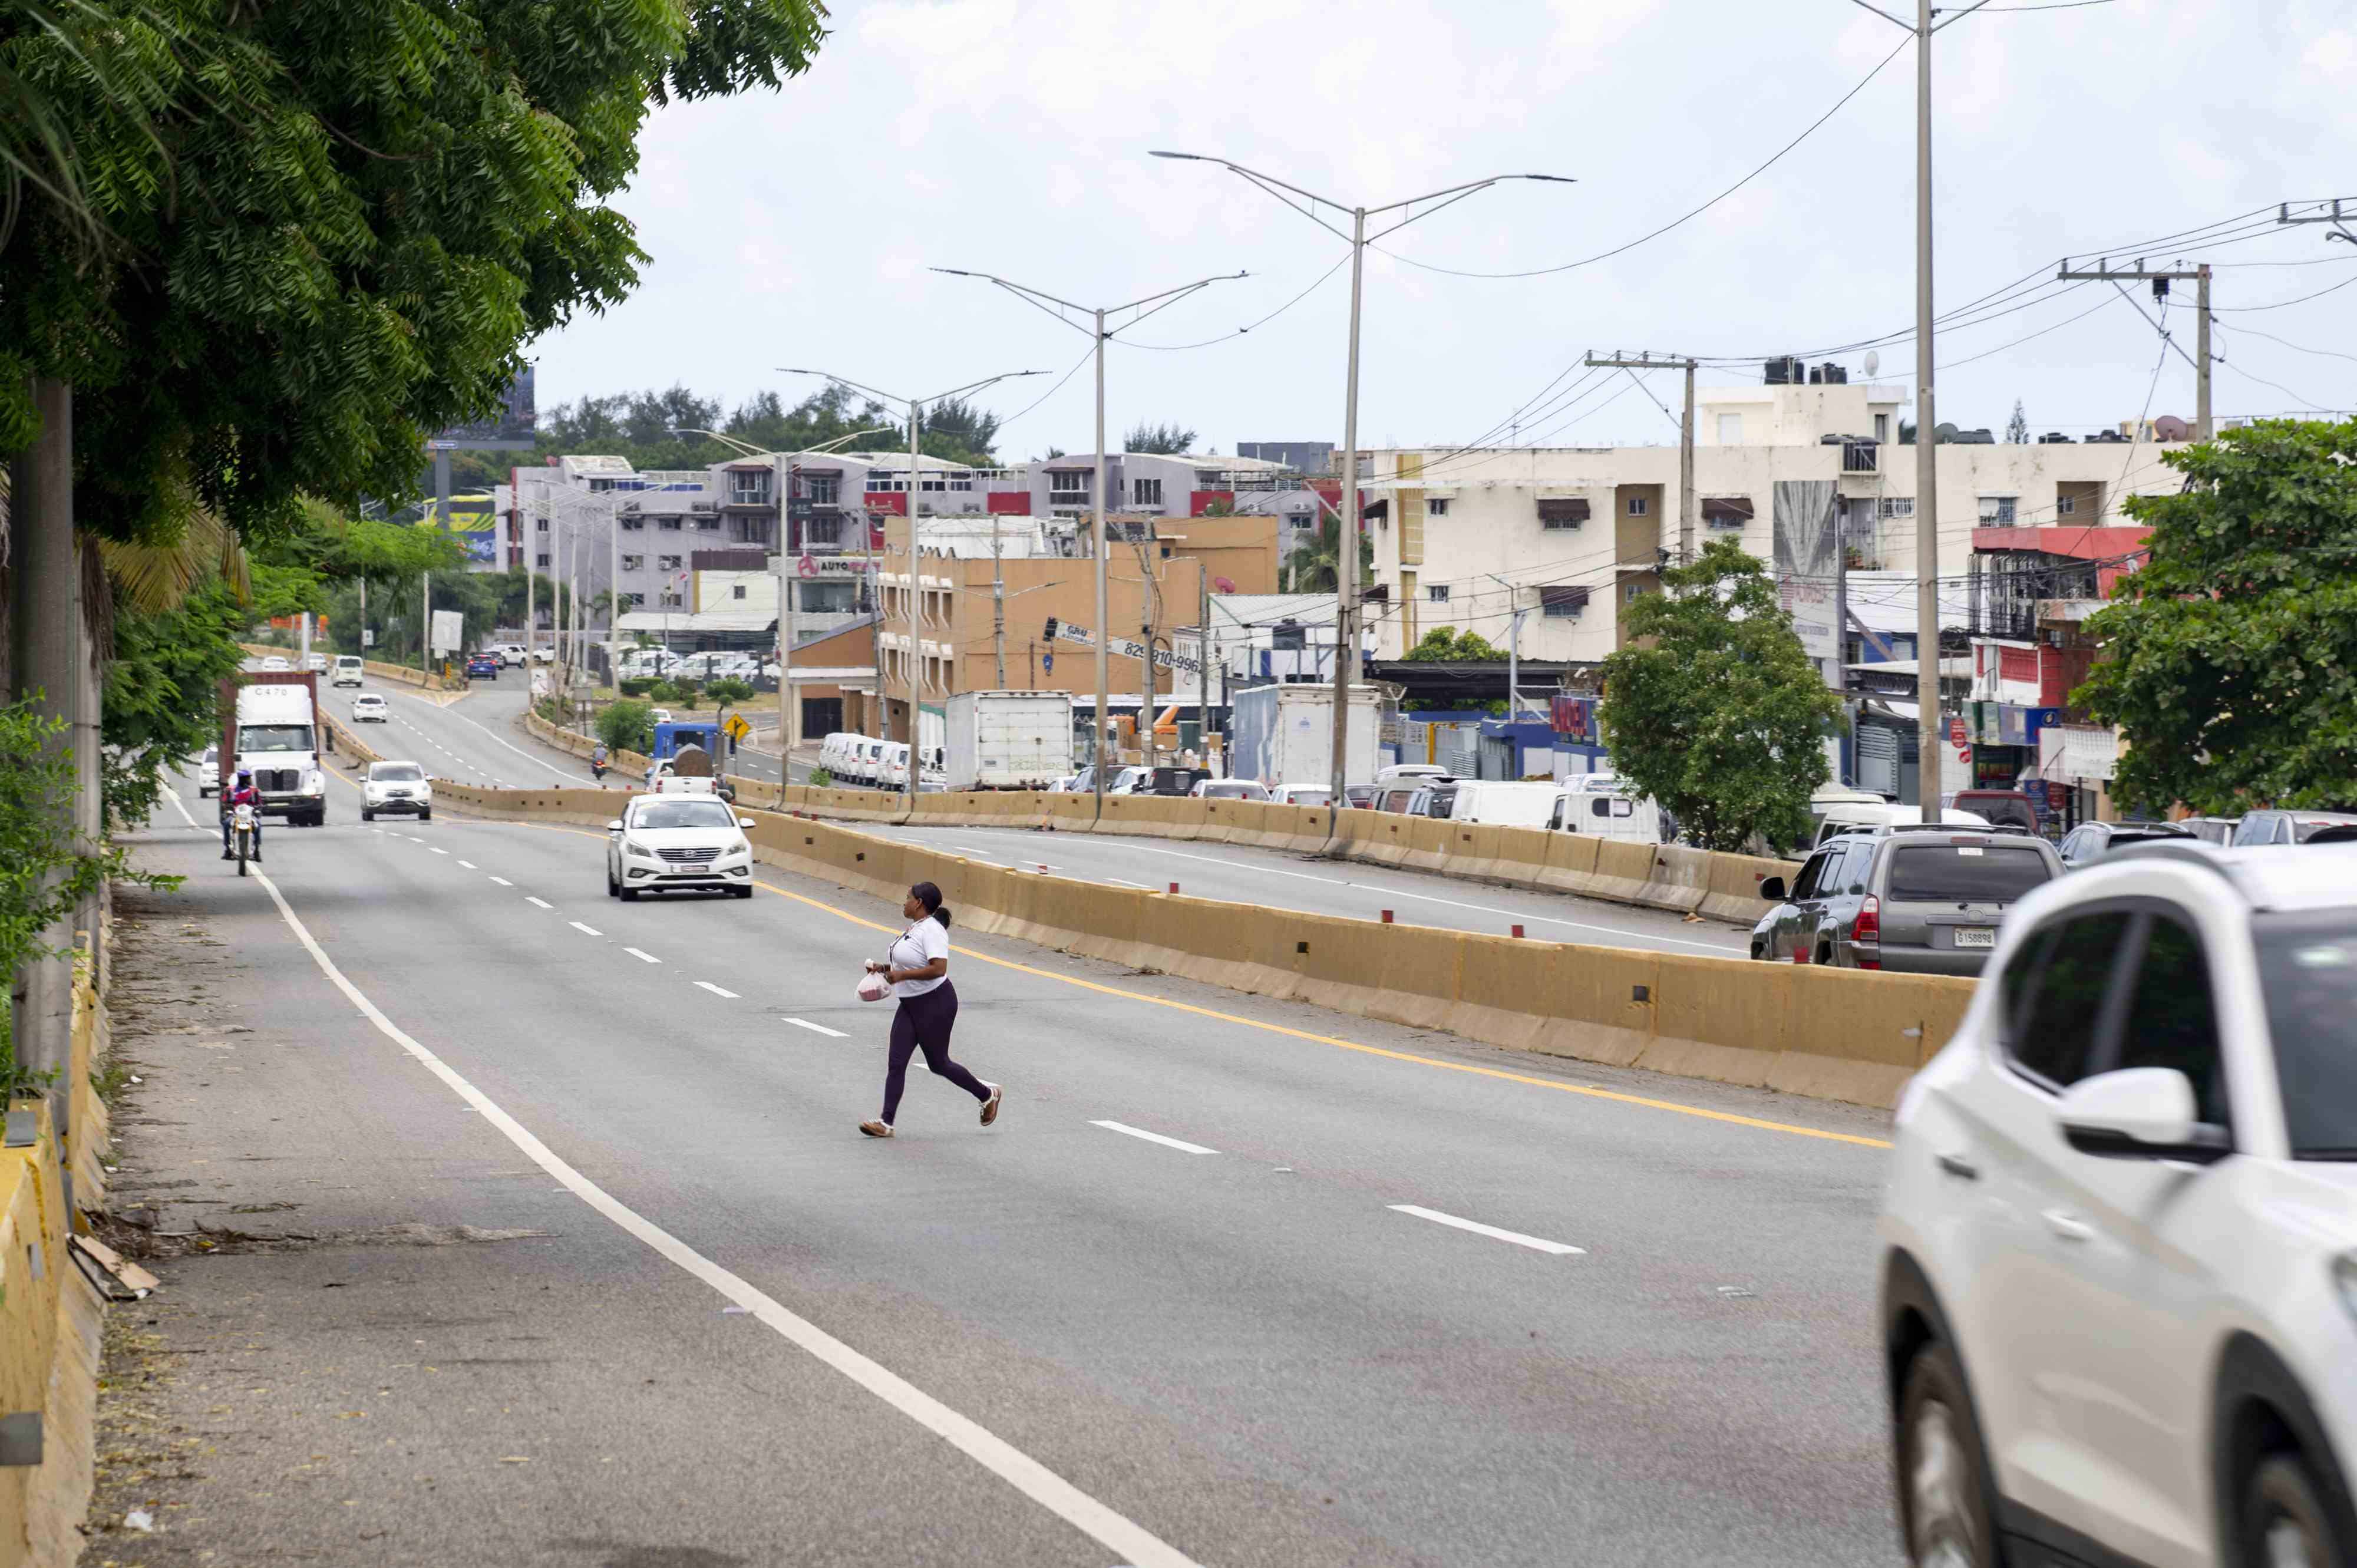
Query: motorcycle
[242, 824]
[597, 771]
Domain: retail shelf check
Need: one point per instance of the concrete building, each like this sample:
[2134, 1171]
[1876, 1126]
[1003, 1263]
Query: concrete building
[1568, 536]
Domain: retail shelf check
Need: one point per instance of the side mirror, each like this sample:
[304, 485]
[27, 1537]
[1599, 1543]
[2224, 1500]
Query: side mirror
[2138, 1114]
[1771, 888]
[615, 826]
[744, 821]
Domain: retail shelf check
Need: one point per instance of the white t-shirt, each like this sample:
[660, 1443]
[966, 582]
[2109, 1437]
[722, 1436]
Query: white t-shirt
[917, 947]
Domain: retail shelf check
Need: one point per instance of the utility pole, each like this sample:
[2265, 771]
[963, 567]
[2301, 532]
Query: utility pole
[1202, 665]
[789, 711]
[1689, 505]
[2160, 278]
[998, 601]
[424, 622]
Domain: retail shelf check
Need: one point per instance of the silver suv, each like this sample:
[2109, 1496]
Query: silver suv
[1916, 900]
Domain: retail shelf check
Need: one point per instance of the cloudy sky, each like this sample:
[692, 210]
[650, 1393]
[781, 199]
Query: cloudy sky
[1013, 136]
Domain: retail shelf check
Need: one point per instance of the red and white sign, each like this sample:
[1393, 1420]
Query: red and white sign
[1956, 733]
[806, 566]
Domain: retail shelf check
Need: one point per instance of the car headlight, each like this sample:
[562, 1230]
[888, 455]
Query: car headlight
[632, 846]
[2344, 1280]
[739, 847]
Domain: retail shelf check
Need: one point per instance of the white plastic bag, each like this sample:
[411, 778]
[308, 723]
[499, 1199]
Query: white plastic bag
[873, 987]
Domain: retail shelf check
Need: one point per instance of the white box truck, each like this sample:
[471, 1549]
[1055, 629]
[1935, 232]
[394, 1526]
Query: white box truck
[1285, 734]
[1009, 740]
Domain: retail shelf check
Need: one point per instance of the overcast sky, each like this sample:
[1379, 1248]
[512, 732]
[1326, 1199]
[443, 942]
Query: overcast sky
[1013, 136]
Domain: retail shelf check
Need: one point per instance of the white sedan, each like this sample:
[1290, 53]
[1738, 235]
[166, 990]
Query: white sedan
[665, 842]
[370, 708]
[397, 789]
[1228, 789]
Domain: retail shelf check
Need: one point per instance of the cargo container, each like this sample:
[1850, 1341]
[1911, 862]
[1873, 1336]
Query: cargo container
[1285, 734]
[1008, 740]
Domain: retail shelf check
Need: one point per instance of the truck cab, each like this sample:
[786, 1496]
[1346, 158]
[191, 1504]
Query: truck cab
[273, 734]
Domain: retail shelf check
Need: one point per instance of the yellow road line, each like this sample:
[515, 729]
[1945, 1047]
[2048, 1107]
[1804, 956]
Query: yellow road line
[1593, 1093]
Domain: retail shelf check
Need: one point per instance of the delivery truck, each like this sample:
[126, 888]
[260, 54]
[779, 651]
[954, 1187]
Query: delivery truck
[270, 727]
[1008, 740]
[1285, 734]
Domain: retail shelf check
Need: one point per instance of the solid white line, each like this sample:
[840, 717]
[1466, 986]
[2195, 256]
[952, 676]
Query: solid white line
[1129, 1541]
[1183, 1147]
[1536, 1244]
[717, 990]
[502, 882]
[542, 902]
[590, 929]
[818, 1028]
[648, 956]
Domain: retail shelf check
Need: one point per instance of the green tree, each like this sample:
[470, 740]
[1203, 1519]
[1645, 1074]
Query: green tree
[728, 690]
[1161, 440]
[627, 725]
[161, 705]
[2229, 662]
[1451, 645]
[1713, 709]
[2016, 429]
[1316, 565]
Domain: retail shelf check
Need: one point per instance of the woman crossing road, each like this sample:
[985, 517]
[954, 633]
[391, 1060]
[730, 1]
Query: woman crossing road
[918, 971]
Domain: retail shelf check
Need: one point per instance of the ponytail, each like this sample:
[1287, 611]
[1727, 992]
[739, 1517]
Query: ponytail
[942, 914]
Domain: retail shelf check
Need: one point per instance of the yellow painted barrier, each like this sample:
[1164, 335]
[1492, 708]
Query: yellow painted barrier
[50, 1323]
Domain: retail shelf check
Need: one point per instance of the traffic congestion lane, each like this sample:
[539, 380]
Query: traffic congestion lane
[1278, 880]
[1720, 1260]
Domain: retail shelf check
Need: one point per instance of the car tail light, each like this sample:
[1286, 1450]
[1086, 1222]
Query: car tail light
[1868, 928]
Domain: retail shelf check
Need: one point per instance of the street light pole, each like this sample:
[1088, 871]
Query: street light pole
[1345, 604]
[1098, 336]
[916, 412]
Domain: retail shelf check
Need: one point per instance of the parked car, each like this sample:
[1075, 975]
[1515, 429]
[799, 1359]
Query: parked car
[1308, 794]
[2286, 827]
[2000, 808]
[398, 788]
[510, 652]
[1608, 815]
[1914, 899]
[1128, 781]
[1433, 799]
[209, 773]
[1229, 789]
[483, 667]
[2115, 1242]
[2090, 841]
[1505, 804]
[1359, 797]
[1409, 772]
[1397, 798]
[368, 708]
[1165, 779]
[2210, 830]
[349, 670]
[662, 717]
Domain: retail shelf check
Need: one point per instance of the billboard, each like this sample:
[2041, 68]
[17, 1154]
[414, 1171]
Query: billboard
[1808, 560]
[449, 631]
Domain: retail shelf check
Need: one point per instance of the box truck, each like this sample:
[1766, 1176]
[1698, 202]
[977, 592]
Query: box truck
[1285, 734]
[1008, 740]
[270, 727]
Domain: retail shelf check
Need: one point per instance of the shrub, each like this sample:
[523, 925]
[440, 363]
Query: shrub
[627, 725]
[636, 686]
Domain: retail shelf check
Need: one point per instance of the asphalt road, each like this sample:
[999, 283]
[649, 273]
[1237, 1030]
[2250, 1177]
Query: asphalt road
[1211, 1270]
[479, 739]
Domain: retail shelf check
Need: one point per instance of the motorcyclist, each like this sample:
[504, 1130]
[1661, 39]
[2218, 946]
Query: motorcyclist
[597, 756]
[242, 793]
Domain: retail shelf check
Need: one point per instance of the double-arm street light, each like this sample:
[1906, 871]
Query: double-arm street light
[915, 407]
[1346, 617]
[1104, 629]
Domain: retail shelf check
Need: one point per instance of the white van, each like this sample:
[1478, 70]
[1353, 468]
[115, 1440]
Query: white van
[348, 670]
[831, 754]
[1504, 804]
[1409, 773]
[1841, 816]
[867, 761]
[1606, 816]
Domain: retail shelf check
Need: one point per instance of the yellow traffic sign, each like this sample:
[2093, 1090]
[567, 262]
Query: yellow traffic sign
[735, 728]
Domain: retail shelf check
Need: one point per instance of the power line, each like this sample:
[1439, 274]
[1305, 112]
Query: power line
[1224, 337]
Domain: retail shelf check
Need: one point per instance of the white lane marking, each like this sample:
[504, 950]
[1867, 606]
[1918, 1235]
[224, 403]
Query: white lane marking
[1130, 1542]
[1722, 950]
[470, 866]
[590, 930]
[970, 849]
[528, 757]
[641, 955]
[1536, 1244]
[1126, 882]
[502, 882]
[437, 849]
[818, 1028]
[542, 902]
[716, 990]
[1179, 1144]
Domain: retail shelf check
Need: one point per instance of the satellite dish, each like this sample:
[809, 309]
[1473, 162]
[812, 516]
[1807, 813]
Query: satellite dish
[1873, 361]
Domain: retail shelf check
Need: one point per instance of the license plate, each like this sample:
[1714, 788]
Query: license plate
[1976, 936]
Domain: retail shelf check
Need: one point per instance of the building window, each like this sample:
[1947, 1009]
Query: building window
[1882, 427]
[824, 491]
[667, 525]
[748, 489]
[707, 524]
[634, 563]
[1145, 492]
[540, 525]
[1638, 505]
[1561, 604]
[634, 525]
[1569, 512]
[1726, 512]
[2066, 506]
[668, 562]
[673, 601]
[1896, 506]
[1437, 593]
[1633, 592]
[737, 592]
[1731, 430]
[1996, 512]
[541, 561]
[1069, 485]
[634, 601]
[1437, 505]
[600, 487]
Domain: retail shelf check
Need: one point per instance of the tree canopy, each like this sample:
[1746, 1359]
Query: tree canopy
[1159, 440]
[1713, 709]
[638, 425]
[2230, 661]
[311, 234]
[1315, 564]
[1452, 645]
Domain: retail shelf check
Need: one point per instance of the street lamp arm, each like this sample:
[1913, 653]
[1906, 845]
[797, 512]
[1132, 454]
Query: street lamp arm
[1960, 15]
[843, 380]
[1885, 14]
[1253, 173]
[977, 386]
[747, 448]
[1435, 207]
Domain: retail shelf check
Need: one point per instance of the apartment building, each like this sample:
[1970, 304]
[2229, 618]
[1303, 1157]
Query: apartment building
[1808, 477]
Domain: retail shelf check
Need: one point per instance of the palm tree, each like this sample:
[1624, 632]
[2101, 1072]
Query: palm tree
[1317, 567]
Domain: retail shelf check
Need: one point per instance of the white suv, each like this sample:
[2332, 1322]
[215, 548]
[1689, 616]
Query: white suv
[399, 788]
[2119, 1241]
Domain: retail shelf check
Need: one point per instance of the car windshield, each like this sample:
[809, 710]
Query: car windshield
[274, 738]
[684, 814]
[1965, 874]
[396, 773]
[2308, 971]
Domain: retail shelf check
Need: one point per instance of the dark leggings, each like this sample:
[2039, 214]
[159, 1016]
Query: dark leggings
[924, 1021]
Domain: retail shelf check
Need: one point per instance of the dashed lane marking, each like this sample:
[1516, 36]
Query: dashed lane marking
[717, 990]
[1535, 1243]
[1178, 1143]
